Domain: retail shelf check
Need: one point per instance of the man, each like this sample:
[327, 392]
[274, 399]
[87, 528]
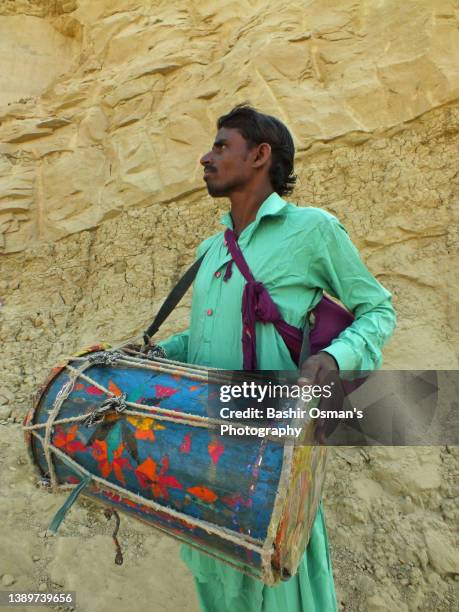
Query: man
[296, 253]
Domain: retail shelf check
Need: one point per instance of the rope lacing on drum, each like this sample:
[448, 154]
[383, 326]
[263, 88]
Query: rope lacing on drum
[105, 357]
[118, 404]
[155, 352]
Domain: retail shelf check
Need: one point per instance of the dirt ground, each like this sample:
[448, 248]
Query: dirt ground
[390, 513]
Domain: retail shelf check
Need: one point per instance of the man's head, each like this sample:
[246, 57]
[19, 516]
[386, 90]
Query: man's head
[250, 148]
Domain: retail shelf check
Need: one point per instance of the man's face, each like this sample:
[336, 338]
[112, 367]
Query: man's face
[228, 165]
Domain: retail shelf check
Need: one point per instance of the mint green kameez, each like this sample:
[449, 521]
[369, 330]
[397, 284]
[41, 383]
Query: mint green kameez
[297, 253]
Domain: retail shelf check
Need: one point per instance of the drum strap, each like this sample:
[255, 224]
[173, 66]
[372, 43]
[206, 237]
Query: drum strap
[330, 318]
[295, 339]
[172, 300]
[71, 499]
[258, 305]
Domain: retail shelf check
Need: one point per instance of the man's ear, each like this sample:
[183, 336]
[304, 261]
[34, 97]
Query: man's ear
[262, 155]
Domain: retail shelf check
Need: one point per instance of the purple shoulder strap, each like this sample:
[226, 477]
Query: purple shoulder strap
[257, 305]
[330, 320]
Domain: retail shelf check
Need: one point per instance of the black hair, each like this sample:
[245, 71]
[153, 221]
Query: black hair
[256, 128]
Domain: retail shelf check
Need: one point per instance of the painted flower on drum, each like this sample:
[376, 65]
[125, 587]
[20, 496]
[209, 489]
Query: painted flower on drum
[148, 476]
[215, 449]
[203, 493]
[117, 499]
[162, 391]
[66, 440]
[106, 466]
[185, 446]
[144, 427]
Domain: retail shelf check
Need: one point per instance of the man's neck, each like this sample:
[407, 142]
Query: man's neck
[245, 205]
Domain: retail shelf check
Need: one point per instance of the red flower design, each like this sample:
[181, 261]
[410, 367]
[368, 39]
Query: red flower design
[100, 454]
[185, 446]
[162, 391]
[148, 475]
[129, 502]
[66, 441]
[117, 498]
[215, 449]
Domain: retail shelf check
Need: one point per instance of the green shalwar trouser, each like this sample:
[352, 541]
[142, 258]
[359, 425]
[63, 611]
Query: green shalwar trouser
[220, 588]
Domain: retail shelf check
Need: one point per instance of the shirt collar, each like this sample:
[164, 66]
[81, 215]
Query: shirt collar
[273, 205]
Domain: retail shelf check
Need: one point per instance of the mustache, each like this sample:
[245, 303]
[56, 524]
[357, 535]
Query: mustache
[210, 169]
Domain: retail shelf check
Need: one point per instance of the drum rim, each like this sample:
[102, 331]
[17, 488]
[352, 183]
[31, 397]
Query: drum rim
[38, 395]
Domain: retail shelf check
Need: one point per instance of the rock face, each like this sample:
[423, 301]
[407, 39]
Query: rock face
[128, 95]
[105, 109]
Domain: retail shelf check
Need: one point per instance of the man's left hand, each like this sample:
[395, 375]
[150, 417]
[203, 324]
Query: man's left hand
[316, 369]
[322, 369]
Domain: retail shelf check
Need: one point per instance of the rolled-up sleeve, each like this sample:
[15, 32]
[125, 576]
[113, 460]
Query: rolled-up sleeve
[338, 269]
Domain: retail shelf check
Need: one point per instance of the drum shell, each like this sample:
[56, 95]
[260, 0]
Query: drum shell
[209, 491]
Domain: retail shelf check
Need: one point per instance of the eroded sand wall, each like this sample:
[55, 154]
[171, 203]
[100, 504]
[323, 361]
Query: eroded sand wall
[105, 109]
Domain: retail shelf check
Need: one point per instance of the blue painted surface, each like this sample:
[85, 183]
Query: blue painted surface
[228, 491]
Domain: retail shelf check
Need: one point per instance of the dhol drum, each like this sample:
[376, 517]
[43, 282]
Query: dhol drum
[138, 436]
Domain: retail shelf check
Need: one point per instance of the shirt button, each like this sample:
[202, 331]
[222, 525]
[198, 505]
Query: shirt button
[210, 312]
[218, 274]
